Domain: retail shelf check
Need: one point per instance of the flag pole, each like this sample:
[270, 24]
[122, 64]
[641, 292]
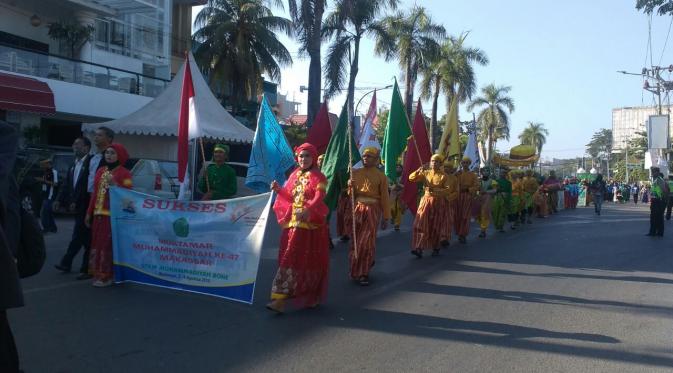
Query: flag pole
[418, 152]
[203, 158]
[351, 189]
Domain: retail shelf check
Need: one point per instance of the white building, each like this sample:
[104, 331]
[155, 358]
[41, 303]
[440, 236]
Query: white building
[627, 121]
[135, 48]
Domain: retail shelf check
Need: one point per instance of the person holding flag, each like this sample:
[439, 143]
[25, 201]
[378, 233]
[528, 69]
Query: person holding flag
[369, 187]
[468, 183]
[303, 258]
[218, 180]
[430, 217]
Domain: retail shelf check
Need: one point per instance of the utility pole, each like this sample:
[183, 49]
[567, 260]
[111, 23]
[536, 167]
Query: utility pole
[626, 162]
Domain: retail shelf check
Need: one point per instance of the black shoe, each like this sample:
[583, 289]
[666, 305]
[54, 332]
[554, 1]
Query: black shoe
[482, 234]
[445, 243]
[83, 276]
[344, 238]
[462, 239]
[62, 268]
[435, 252]
[417, 253]
[364, 281]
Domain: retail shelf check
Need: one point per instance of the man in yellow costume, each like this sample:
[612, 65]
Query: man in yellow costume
[468, 183]
[431, 217]
[369, 186]
[530, 186]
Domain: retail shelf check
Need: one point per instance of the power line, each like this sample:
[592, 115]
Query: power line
[666, 42]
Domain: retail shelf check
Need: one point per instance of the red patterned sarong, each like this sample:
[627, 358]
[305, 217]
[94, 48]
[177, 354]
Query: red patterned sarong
[100, 258]
[449, 217]
[303, 266]
[344, 224]
[367, 220]
[463, 213]
[430, 222]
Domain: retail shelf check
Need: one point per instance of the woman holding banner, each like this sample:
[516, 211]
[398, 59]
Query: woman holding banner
[303, 258]
[98, 213]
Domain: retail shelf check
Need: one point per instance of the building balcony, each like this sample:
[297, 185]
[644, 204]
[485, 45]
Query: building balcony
[46, 65]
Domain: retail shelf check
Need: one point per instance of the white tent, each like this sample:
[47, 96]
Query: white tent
[151, 132]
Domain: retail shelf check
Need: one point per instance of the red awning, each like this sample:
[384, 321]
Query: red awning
[18, 93]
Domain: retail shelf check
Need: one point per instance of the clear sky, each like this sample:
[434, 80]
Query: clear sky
[559, 57]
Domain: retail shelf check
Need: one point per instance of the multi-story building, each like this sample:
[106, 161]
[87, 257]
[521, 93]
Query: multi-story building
[627, 121]
[50, 85]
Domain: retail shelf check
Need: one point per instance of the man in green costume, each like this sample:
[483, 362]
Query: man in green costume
[501, 201]
[219, 180]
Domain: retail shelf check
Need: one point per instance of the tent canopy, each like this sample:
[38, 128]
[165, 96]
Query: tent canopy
[160, 116]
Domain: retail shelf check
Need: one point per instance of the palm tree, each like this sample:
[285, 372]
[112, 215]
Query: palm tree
[236, 43]
[350, 21]
[447, 72]
[307, 18]
[415, 45]
[535, 134]
[493, 119]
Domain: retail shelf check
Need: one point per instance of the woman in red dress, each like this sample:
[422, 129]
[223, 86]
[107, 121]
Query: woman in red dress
[98, 214]
[303, 258]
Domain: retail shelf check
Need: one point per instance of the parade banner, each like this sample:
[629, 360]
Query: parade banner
[207, 247]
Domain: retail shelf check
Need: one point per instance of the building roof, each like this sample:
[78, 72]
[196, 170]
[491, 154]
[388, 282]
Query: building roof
[160, 116]
[300, 120]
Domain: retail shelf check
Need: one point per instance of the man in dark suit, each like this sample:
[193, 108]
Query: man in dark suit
[11, 295]
[74, 196]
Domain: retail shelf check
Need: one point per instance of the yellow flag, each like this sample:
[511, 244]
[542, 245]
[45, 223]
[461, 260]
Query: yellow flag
[449, 146]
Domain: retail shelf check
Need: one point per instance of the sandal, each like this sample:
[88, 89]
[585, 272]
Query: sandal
[364, 281]
[271, 306]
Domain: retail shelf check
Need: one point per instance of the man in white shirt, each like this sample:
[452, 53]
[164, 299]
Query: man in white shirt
[102, 138]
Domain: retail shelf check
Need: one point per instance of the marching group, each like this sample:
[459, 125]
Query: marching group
[449, 200]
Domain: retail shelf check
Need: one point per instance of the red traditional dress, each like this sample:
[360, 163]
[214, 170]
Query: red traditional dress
[303, 258]
[468, 183]
[370, 187]
[100, 259]
[431, 218]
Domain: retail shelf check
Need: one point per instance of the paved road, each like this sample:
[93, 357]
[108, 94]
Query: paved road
[573, 293]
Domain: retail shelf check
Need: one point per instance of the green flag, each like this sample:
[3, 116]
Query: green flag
[396, 135]
[335, 164]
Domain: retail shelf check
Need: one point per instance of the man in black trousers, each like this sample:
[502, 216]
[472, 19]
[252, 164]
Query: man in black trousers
[658, 201]
[11, 295]
[74, 196]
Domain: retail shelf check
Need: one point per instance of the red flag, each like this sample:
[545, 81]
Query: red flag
[321, 130]
[183, 121]
[411, 161]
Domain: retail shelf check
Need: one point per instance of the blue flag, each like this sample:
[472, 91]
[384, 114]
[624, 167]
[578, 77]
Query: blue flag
[271, 155]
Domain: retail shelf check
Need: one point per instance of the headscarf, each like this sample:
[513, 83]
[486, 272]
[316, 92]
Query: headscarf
[221, 147]
[310, 149]
[371, 151]
[122, 154]
[437, 157]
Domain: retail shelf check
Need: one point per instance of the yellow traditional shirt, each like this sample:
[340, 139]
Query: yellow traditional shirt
[468, 180]
[370, 186]
[517, 187]
[530, 184]
[436, 183]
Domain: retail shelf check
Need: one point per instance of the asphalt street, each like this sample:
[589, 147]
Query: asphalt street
[571, 293]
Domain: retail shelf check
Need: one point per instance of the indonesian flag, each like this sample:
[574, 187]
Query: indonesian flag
[187, 127]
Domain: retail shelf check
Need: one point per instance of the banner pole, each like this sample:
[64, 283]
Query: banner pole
[351, 189]
[203, 158]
